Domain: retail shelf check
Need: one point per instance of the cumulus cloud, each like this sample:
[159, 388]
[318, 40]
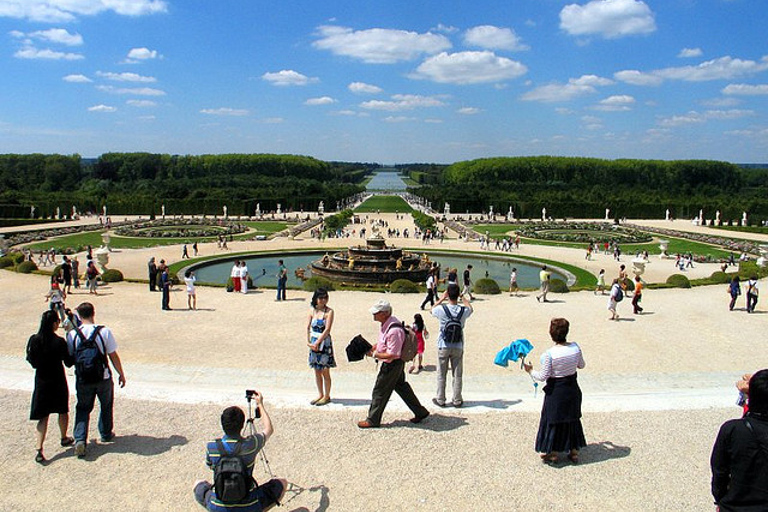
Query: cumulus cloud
[102, 108]
[53, 35]
[126, 77]
[323, 100]
[635, 77]
[694, 117]
[494, 38]
[616, 103]
[288, 77]
[379, 45]
[608, 18]
[363, 88]
[77, 79]
[136, 55]
[468, 68]
[54, 11]
[687, 53]
[746, 90]
[136, 91]
[468, 111]
[399, 119]
[141, 103]
[401, 102]
[32, 53]
[576, 87]
[225, 111]
[723, 68]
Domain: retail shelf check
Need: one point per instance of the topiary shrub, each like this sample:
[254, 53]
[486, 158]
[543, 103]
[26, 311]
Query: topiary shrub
[720, 277]
[486, 286]
[6, 261]
[17, 257]
[112, 275]
[403, 286]
[26, 267]
[629, 284]
[558, 286]
[678, 281]
[315, 282]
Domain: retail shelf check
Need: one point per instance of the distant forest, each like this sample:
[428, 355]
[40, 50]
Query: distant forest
[585, 187]
[140, 183]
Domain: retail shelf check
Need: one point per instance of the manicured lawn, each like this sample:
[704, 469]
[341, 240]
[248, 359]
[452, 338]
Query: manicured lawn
[386, 204]
[745, 229]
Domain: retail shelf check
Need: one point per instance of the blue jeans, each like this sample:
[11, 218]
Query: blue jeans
[281, 282]
[86, 396]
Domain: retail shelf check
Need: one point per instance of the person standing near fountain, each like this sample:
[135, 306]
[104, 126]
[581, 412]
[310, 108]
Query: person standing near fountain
[467, 283]
[450, 343]
[152, 271]
[431, 289]
[282, 280]
[321, 358]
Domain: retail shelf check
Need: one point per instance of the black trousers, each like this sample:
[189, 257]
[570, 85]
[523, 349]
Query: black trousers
[430, 298]
[166, 297]
[391, 378]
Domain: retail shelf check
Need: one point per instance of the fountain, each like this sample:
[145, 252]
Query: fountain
[374, 263]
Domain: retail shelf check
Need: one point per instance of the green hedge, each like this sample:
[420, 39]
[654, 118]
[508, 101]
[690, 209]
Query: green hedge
[678, 281]
[403, 286]
[6, 262]
[112, 275]
[486, 286]
[315, 282]
[26, 267]
[558, 286]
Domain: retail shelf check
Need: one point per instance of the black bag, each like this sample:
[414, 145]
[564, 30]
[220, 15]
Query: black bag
[90, 362]
[231, 479]
[619, 295]
[357, 348]
[453, 332]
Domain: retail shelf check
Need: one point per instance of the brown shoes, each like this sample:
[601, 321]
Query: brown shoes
[366, 424]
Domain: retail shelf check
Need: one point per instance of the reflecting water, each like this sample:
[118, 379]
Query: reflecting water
[386, 181]
[263, 269]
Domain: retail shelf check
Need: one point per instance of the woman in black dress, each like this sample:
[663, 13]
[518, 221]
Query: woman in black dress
[45, 352]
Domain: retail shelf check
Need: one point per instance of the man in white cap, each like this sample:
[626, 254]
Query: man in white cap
[391, 375]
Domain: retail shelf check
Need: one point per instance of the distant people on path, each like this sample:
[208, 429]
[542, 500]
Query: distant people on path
[243, 277]
[46, 351]
[391, 376]
[189, 280]
[56, 297]
[92, 276]
[450, 344]
[637, 296]
[194, 249]
[560, 427]
[66, 274]
[79, 342]
[76, 272]
[600, 282]
[321, 357]
[544, 278]
[152, 272]
[165, 286]
[614, 297]
[184, 252]
[739, 460]
[467, 278]
[431, 290]
[734, 289]
[421, 333]
[235, 275]
[282, 280]
[752, 293]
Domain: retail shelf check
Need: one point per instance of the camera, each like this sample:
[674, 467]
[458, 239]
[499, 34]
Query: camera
[249, 395]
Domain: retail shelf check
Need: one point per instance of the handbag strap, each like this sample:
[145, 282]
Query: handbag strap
[763, 447]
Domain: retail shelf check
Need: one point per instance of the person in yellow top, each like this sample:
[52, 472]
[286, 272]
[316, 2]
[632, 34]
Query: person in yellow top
[638, 295]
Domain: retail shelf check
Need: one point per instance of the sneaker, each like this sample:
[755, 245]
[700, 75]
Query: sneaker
[80, 449]
[67, 441]
[107, 438]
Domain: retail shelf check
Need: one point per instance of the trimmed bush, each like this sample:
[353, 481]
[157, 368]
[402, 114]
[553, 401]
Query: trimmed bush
[720, 277]
[26, 267]
[6, 261]
[404, 286]
[17, 257]
[486, 286]
[112, 275]
[315, 282]
[629, 284]
[678, 281]
[558, 286]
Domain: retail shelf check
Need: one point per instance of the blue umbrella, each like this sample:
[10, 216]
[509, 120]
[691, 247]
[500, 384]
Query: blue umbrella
[518, 349]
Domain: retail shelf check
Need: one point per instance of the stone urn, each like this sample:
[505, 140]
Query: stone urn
[105, 239]
[638, 266]
[762, 261]
[102, 257]
[664, 245]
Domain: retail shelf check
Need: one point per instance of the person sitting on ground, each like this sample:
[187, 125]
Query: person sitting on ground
[259, 497]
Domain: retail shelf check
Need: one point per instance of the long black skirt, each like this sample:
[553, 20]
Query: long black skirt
[560, 424]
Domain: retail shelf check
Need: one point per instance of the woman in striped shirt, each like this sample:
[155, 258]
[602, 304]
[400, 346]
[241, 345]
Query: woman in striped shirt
[560, 427]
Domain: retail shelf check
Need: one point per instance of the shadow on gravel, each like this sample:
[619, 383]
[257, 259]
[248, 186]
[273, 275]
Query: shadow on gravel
[600, 452]
[435, 423]
[136, 444]
[493, 404]
[294, 491]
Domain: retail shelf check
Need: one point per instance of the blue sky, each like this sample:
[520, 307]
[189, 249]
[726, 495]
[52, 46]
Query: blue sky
[388, 82]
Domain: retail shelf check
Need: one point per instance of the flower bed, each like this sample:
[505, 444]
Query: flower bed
[180, 228]
[584, 232]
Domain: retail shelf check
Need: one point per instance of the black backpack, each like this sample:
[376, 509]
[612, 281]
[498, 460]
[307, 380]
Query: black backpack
[231, 479]
[90, 362]
[453, 332]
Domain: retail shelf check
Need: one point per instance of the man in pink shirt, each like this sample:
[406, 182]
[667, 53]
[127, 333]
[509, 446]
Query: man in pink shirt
[391, 375]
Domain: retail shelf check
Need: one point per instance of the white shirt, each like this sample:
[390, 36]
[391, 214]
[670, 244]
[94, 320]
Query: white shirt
[105, 339]
[190, 282]
[560, 361]
[235, 272]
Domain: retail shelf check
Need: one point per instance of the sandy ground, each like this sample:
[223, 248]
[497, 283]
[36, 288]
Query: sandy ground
[656, 388]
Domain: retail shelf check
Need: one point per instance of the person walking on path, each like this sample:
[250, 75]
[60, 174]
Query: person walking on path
[321, 358]
[734, 289]
[282, 280]
[46, 351]
[544, 277]
[560, 427]
[752, 293]
[600, 282]
[513, 287]
[189, 280]
[92, 276]
[391, 375]
[450, 344]
[637, 296]
[165, 285]
[421, 333]
[104, 388]
[614, 298]
[152, 271]
[467, 282]
[431, 288]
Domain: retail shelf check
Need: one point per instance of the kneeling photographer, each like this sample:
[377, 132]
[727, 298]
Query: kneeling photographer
[232, 458]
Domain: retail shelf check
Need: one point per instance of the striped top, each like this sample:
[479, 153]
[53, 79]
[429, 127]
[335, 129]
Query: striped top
[560, 361]
[251, 446]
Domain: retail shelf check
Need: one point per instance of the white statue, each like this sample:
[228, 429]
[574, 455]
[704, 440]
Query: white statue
[74, 212]
[321, 208]
[666, 217]
[490, 213]
[58, 213]
[258, 208]
[543, 214]
[104, 211]
[717, 218]
[701, 217]
[744, 218]
[224, 209]
[32, 211]
[510, 214]
[162, 208]
[279, 208]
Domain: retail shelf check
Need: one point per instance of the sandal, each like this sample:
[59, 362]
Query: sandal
[550, 458]
[67, 441]
[573, 457]
[39, 458]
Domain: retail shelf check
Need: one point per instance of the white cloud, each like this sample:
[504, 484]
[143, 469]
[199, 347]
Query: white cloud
[721, 102]
[494, 38]
[288, 77]
[225, 111]
[609, 18]
[687, 53]
[399, 119]
[468, 68]
[694, 117]
[54, 11]
[616, 103]
[323, 100]
[77, 79]
[723, 68]
[469, 111]
[141, 103]
[137, 91]
[576, 87]
[52, 35]
[745, 90]
[379, 45]
[363, 88]
[401, 102]
[30, 52]
[635, 77]
[102, 108]
[136, 55]
[432, 120]
[445, 29]
[126, 77]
